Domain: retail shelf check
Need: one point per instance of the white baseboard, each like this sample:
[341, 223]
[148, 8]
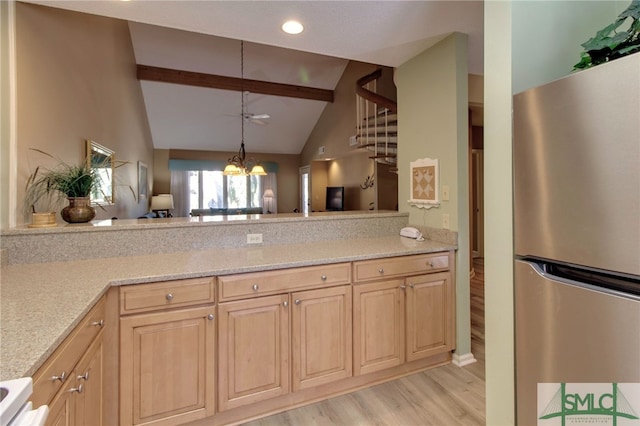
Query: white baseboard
[464, 359]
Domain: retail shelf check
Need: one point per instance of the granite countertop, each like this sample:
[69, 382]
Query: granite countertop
[42, 303]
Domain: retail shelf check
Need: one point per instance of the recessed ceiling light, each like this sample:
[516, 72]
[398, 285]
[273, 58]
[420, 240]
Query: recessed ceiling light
[292, 27]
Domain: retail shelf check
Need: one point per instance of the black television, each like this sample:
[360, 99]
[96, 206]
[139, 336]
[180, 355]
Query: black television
[335, 198]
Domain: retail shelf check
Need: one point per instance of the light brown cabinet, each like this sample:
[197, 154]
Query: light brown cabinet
[276, 344]
[70, 382]
[167, 356]
[378, 326]
[253, 345]
[321, 336]
[402, 319]
[81, 401]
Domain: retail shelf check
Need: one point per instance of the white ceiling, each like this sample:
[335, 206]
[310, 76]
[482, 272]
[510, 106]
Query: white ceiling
[379, 32]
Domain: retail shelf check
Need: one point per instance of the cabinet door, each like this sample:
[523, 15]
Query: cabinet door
[378, 326]
[167, 367]
[61, 410]
[429, 315]
[253, 338]
[321, 336]
[88, 404]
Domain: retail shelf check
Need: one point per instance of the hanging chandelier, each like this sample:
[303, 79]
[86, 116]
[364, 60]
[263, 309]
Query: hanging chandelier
[239, 164]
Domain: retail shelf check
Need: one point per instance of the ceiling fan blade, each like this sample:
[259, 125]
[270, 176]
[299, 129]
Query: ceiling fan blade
[259, 122]
[260, 116]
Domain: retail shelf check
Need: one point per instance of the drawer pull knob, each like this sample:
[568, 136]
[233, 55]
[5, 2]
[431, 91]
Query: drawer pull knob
[323, 278]
[411, 285]
[210, 317]
[285, 303]
[430, 264]
[98, 323]
[255, 287]
[298, 301]
[84, 377]
[403, 287]
[381, 270]
[61, 377]
[78, 389]
[169, 296]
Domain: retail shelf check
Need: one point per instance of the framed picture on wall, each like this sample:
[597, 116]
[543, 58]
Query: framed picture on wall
[143, 184]
[424, 183]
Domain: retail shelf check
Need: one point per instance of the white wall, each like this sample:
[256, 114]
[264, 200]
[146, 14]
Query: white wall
[527, 43]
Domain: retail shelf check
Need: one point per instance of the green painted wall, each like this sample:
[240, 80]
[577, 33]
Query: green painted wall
[433, 108]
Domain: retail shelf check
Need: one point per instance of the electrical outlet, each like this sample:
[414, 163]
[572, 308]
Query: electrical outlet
[254, 238]
[445, 220]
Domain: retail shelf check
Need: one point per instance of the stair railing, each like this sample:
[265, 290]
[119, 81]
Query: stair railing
[372, 113]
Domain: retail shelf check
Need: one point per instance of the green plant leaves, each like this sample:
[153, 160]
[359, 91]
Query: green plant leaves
[609, 44]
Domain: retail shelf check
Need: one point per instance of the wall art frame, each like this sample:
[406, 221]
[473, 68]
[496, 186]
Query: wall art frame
[424, 181]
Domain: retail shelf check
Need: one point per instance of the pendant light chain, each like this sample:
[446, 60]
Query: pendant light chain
[239, 164]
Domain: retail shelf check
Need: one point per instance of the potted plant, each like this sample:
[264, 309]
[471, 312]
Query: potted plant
[74, 182]
[613, 42]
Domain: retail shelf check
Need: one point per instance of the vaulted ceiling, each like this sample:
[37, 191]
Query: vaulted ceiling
[203, 36]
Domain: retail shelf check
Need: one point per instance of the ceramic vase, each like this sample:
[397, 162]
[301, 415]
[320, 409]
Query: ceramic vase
[79, 210]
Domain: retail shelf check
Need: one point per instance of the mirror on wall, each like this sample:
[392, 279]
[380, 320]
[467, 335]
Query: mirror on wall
[101, 160]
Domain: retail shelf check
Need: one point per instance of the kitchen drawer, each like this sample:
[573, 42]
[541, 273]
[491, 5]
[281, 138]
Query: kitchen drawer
[56, 371]
[284, 280]
[399, 266]
[166, 294]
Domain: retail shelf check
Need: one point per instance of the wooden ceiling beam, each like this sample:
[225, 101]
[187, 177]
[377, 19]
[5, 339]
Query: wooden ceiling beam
[190, 78]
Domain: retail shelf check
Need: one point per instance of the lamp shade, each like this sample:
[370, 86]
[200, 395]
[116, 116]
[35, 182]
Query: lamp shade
[268, 193]
[162, 202]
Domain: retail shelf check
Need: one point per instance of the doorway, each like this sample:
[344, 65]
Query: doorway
[305, 189]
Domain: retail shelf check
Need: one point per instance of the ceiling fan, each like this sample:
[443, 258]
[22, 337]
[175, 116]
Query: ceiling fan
[256, 118]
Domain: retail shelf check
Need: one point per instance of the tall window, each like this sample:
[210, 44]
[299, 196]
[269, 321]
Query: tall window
[211, 189]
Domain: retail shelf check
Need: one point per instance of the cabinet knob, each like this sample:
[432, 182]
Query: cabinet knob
[98, 323]
[210, 317]
[381, 270]
[255, 287]
[169, 296]
[411, 285]
[403, 287]
[297, 302]
[323, 278]
[285, 303]
[78, 389]
[84, 377]
[61, 377]
[430, 264]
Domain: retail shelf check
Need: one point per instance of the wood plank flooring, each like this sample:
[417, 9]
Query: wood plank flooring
[443, 396]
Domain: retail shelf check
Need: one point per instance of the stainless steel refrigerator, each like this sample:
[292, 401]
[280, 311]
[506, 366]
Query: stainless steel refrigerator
[577, 244]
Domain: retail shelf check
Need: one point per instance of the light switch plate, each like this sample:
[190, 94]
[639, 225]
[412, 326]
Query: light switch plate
[445, 192]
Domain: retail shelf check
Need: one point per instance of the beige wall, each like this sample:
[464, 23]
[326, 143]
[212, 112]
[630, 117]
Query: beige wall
[76, 80]
[288, 172]
[433, 105]
[346, 167]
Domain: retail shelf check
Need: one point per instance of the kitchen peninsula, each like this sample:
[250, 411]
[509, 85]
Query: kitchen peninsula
[45, 298]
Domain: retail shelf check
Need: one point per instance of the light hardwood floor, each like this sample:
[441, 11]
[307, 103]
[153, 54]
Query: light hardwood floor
[442, 396]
